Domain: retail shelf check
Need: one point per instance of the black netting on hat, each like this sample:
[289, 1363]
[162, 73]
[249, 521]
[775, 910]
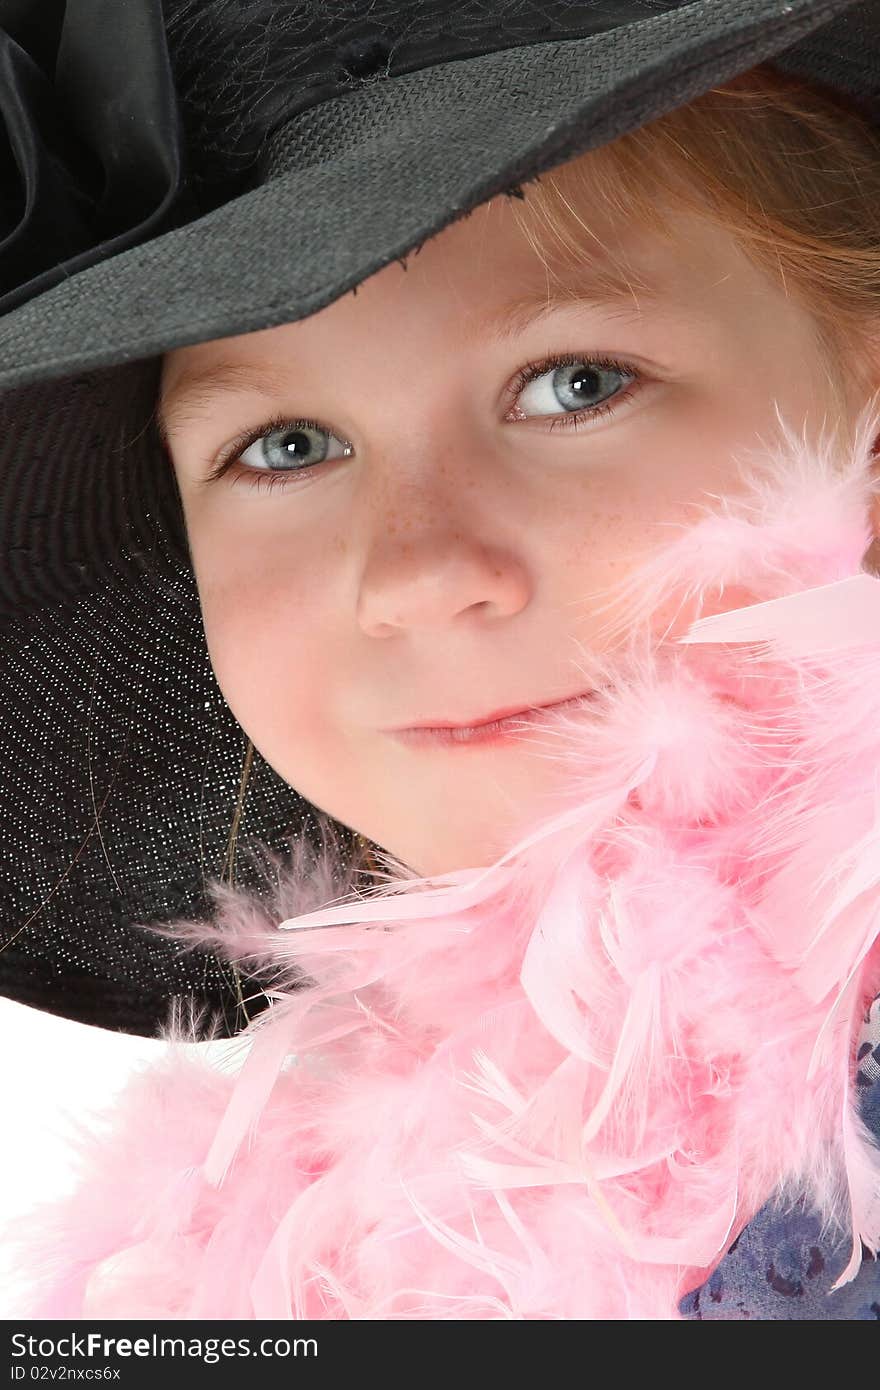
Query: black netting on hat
[122, 762]
[243, 69]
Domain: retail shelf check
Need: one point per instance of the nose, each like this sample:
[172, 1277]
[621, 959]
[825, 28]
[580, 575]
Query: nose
[431, 561]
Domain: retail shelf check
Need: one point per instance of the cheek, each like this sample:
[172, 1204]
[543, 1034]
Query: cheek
[275, 666]
[266, 619]
[673, 469]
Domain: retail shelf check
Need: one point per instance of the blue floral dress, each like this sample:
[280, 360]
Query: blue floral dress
[777, 1267]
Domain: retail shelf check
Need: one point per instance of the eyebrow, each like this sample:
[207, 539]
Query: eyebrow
[195, 392]
[587, 288]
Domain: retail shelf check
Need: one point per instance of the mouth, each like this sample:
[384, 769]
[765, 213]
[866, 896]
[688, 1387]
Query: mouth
[512, 726]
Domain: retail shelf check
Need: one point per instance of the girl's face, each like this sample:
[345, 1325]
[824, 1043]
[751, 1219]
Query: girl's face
[434, 543]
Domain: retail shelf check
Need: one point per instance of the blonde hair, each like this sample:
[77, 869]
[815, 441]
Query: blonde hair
[790, 170]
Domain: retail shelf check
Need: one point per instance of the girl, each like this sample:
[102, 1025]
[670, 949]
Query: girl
[541, 562]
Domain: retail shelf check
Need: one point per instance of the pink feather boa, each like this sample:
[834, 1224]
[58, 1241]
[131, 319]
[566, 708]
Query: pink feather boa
[558, 1086]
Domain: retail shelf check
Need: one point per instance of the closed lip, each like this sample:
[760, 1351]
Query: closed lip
[505, 713]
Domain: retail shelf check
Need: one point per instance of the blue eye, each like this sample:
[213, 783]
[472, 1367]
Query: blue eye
[287, 449]
[569, 383]
[294, 446]
[292, 449]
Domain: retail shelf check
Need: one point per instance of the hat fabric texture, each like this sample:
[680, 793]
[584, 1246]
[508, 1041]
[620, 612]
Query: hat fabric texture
[134, 191]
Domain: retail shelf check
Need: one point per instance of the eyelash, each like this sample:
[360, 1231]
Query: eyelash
[228, 463]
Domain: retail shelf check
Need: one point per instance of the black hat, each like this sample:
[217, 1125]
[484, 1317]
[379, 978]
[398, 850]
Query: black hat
[149, 144]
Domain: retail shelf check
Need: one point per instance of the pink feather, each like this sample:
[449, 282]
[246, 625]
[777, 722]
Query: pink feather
[557, 1086]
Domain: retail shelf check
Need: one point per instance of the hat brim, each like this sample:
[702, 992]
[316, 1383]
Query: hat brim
[375, 172]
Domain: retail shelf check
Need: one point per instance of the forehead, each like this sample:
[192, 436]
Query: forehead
[485, 278]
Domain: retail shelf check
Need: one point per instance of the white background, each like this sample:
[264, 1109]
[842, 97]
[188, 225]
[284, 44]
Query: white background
[51, 1066]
